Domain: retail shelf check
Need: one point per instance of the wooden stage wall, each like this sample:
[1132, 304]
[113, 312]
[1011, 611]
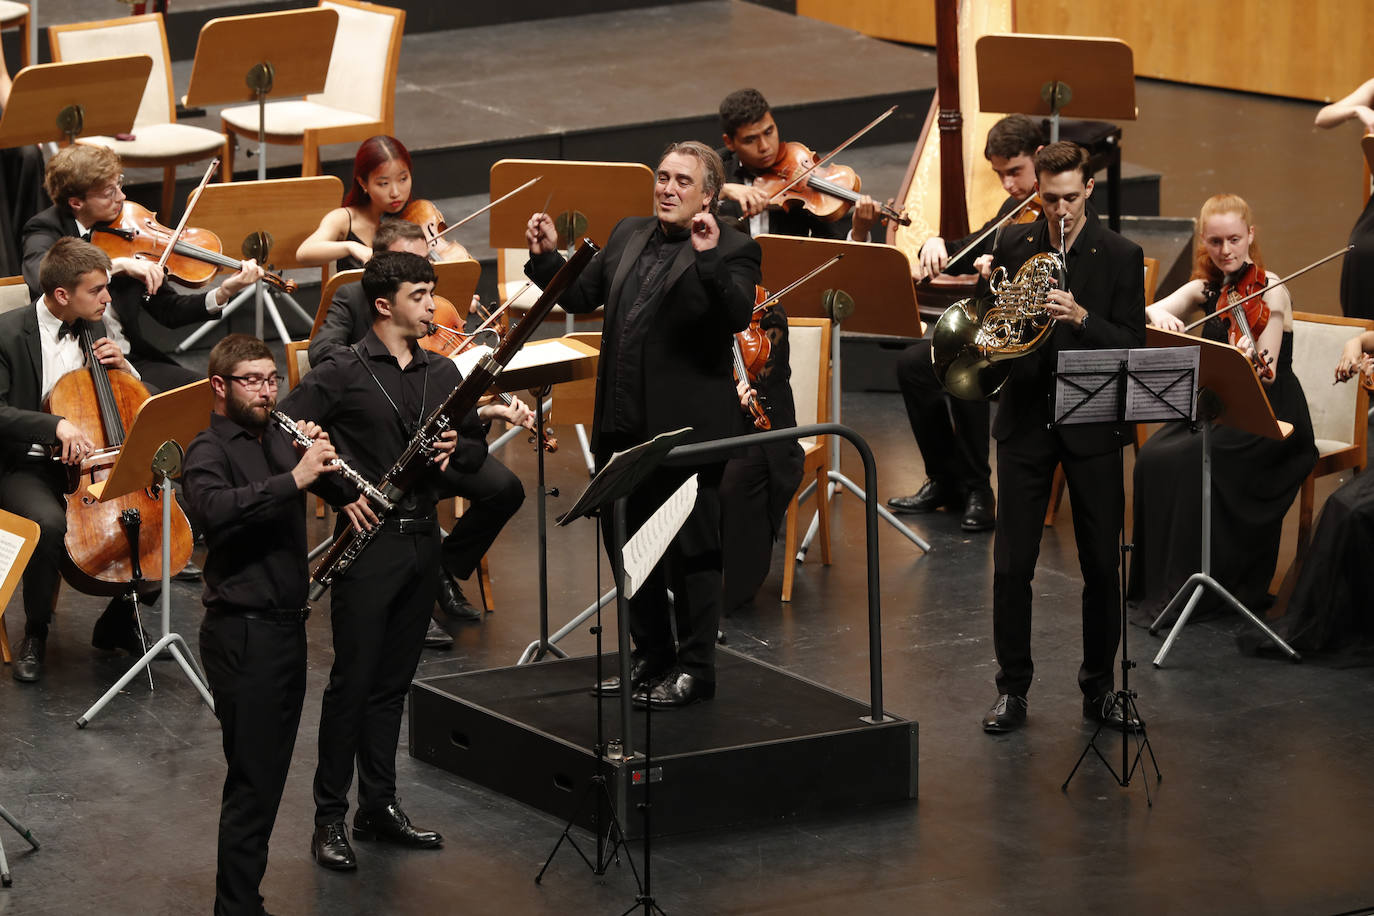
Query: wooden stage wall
[1297, 48]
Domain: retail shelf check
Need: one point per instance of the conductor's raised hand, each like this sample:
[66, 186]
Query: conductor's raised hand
[540, 234]
[705, 232]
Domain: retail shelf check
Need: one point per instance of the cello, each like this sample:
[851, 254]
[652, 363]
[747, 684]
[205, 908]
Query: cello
[101, 535]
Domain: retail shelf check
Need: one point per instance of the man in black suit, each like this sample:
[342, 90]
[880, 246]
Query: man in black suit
[493, 492]
[676, 286]
[86, 185]
[38, 345]
[1102, 306]
[952, 433]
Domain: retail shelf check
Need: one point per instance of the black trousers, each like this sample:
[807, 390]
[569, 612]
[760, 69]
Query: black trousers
[33, 488]
[1025, 471]
[691, 567]
[494, 494]
[379, 613]
[164, 375]
[257, 675]
[754, 490]
[951, 433]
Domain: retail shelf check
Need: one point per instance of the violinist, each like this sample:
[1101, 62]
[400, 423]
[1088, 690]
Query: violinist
[74, 277]
[86, 183]
[1357, 270]
[952, 433]
[381, 190]
[1254, 479]
[493, 491]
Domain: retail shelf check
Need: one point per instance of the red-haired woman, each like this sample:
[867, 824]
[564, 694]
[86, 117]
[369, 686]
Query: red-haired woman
[380, 190]
[1254, 479]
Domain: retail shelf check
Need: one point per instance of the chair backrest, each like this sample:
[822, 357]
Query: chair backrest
[129, 35]
[331, 286]
[362, 67]
[808, 342]
[575, 402]
[510, 276]
[297, 360]
[1151, 279]
[14, 294]
[1338, 411]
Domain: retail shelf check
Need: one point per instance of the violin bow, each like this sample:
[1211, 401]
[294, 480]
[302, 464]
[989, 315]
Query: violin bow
[186, 217]
[773, 299]
[833, 153]
[476, 213]
[990, 230]
[1280, 282]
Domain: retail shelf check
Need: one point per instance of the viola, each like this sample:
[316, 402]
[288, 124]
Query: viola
[827, 192]
[194, 260]
[101, 535]
[750, 350]
[445, 336]
[426, 215]
[1246, 314]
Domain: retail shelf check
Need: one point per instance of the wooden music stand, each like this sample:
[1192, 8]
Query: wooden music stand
[151, 457]
[14, 556]
[1057, 74]
[249, 58]
[59, 102]
[1239, 396]
[876, 276]
[456, 281]
[264, 220]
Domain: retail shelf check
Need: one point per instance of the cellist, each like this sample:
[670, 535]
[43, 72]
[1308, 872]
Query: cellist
[86, 185]
[74, 277]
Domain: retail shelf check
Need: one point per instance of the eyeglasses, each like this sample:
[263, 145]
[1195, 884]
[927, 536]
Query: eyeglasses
[109, 193]
[255, 382]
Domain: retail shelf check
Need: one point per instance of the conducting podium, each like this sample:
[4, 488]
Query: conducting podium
[150, 458]
[60, 102]
[1231, 395]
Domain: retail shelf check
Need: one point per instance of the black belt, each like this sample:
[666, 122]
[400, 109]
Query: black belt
[290, 615]
[427, 525]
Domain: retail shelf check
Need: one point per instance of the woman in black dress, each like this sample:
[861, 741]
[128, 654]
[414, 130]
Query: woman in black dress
[1254, 479]
[1357, 271]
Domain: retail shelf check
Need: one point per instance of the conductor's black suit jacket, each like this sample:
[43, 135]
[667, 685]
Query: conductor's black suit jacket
[708, 296]
[1106, 277]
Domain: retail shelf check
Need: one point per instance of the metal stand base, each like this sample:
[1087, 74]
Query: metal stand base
[264, 301]
[837, 478]
[23, 831]
[1129, 712]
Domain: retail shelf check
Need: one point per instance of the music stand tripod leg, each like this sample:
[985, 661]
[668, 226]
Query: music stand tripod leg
[24, 832]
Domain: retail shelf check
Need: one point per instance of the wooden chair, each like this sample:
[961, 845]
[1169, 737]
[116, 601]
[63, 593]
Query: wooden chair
[16, 16]
[159, 141]
[809, 358]
[1339, 412]
[14, 293]
[331, 286]
[359, 97]
[1141, 434]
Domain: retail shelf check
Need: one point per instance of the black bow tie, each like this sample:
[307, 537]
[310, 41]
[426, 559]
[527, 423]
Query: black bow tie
[72, 328]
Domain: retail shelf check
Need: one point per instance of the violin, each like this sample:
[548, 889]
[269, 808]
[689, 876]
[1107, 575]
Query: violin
[445, 336]
[1033, 210]
[426, 215]
[827, 192]
[750, 350]
[1246, 314]
[194, 260]
[106, 545]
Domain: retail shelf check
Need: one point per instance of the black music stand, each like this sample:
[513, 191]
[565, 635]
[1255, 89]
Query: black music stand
[612, 486]
[1115, 386]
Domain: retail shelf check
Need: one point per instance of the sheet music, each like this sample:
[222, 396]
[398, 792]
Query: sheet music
[10, 545]
[643, 550]
[541, 353]
[1162, 374]
[1082, 373]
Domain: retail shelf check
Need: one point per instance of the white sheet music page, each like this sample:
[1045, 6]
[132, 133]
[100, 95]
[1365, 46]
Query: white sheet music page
[10, 545]
[1082, 373]
[1163, 384]
[539, 353]
[644, 549]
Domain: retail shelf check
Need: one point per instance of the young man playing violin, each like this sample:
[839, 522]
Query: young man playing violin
[952, 433]
[86, 183]
[494, 493]
[39, 345]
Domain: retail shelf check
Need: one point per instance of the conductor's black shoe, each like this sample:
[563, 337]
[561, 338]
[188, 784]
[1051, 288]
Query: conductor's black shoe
[454, 608]
[28, 659]
[642, 670]
[391, 825]
[1007, 714]
[436, 637]
[120, 632]
[980, 511]
[1105, 710]
[674, 689]
[329, 847]
[932, 495]
[189, 573]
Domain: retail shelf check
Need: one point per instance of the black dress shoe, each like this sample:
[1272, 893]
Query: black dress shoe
[642, 670]
[980, 511]
[28, 659]
[674, 689]
[189, 573]
[1007, 714]
[329, 847]
[436, 637]
[391, 825]
[119, 631]
[932, 495]
[1105, 710]
[454, 608]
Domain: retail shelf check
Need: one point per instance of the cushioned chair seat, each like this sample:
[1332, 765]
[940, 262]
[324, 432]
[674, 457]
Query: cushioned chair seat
[163, 141]
[1331, 446]
[10, 11]
[291, 118]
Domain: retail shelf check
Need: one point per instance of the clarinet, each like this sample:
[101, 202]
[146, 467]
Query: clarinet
[418, 454]
[377, 496]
